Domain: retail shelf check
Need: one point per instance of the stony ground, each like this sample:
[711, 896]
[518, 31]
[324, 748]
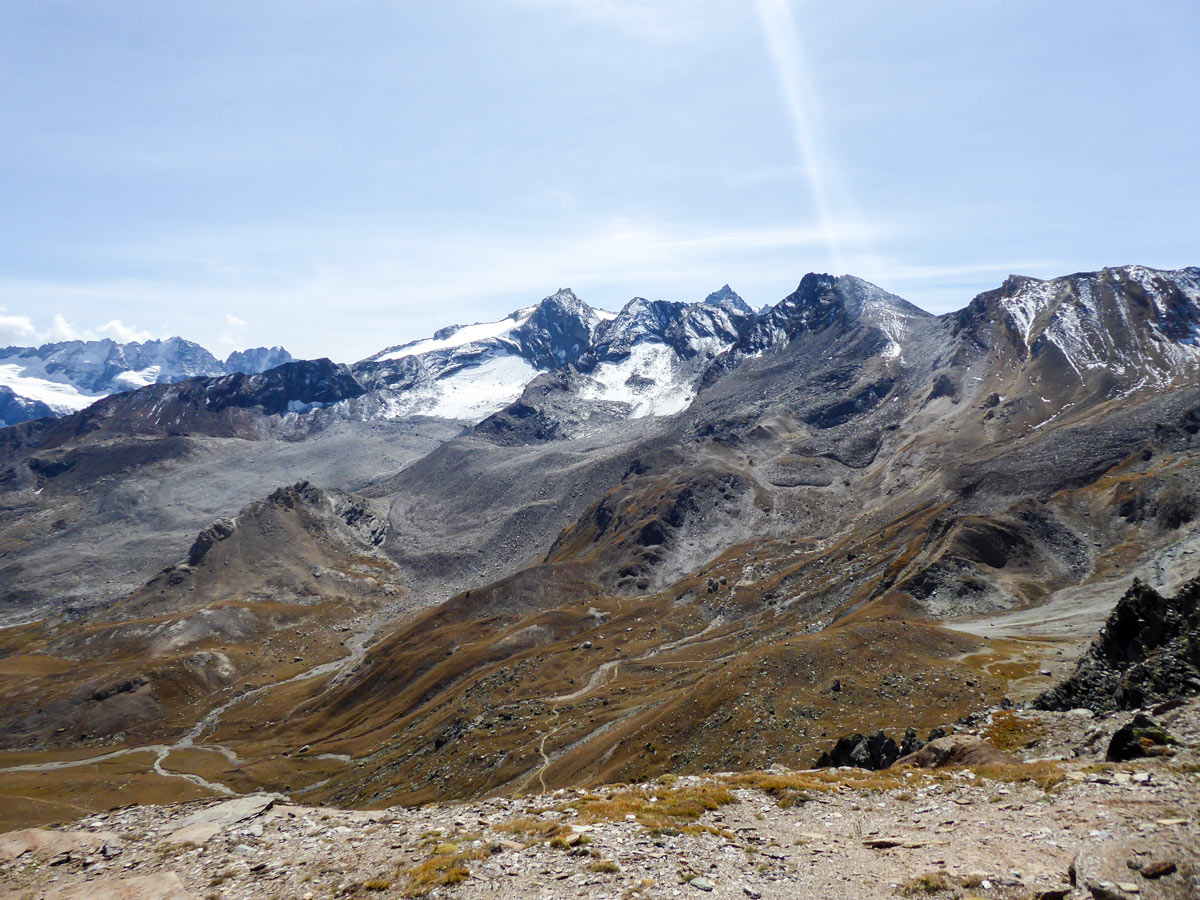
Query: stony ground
[1002, 832]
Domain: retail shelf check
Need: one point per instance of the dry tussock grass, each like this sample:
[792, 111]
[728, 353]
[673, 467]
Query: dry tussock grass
[791, 786]
[530, 828]
[440, 870]
[1010, 731]
[929, 883]
[664, 807]
[1046, 775]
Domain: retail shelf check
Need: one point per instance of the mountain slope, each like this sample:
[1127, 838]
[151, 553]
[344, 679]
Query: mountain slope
[602, 595]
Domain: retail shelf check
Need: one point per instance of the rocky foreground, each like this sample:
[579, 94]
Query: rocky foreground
[1059, 822]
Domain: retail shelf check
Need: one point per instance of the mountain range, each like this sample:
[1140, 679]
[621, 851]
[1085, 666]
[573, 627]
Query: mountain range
[61, 378]
[577, 547]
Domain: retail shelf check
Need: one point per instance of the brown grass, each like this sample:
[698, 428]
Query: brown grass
[1010, 731]
[532, 829]
[440, 870]
[793, 786]
[1046, 774]
[929, 883]
[656, 808]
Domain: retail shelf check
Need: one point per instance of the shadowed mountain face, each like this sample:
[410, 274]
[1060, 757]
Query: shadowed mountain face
[683, 528]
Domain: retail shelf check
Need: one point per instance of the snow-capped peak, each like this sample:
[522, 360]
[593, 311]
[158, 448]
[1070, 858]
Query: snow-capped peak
[1125, 320]
[727, 298]
[61, 378]
[453, 336]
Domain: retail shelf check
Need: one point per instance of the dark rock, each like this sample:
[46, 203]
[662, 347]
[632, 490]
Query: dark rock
[883, 750]
[1131, 740]
[911, 743]
[1148, 653]
[1159, 869]
[218, 531]
[875, 752]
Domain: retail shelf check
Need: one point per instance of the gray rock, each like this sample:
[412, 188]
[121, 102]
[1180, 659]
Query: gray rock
[231, 811]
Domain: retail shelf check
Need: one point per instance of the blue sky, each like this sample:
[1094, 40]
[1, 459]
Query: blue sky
[341, 176]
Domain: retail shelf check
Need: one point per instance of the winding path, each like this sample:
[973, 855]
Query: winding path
[357, 645]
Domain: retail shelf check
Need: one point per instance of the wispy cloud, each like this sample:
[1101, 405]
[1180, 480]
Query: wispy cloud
[803, 110]
[410, 283]
[20, 330]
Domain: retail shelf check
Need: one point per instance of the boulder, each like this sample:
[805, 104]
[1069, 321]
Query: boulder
[1148, 653]
[875, 752]
[956, 750]
[1132, 739]
[230, 812]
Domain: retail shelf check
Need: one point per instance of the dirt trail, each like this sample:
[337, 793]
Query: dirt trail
[605, 673]
[357, 647]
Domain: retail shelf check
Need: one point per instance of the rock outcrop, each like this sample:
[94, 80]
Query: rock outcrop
[1148, 652]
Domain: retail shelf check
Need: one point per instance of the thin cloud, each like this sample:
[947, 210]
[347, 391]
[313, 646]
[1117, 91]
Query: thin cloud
[20, 330]
[411, 280]
[16, 330]
[804, 118]
[122, 333]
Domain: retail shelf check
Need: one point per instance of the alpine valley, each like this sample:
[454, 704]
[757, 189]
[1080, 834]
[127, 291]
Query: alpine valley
[576, 547]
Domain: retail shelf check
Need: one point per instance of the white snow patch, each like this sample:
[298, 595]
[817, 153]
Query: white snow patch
[471, 393]
[132, 380]
[648, 380]
[28, 378]
[467, 334]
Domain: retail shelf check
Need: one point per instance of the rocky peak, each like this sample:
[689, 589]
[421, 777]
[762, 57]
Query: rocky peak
[105, 366]
[686, 328]
[822, 301]
[558, 330]
[1130, 319]
[727, 298]
[256, 359]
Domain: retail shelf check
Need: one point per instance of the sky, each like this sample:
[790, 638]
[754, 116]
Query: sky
[338, 176]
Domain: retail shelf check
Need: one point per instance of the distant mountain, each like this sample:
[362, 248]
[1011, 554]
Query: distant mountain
[561, 367]
[646, 358]
[61, 378]
[255, 360]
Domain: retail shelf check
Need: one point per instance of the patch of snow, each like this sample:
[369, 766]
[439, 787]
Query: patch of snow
[648, 379]
[475, 392]
[132, 380]
[28, 378]
[298, 406]
[459, 337]
[1026, 305]
[470, 393]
